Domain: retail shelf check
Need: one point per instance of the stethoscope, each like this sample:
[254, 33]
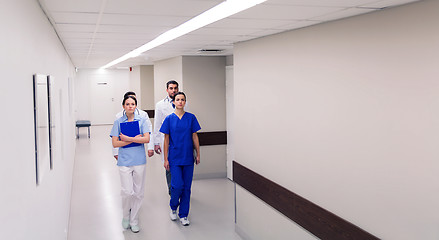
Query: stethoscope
[124, 112]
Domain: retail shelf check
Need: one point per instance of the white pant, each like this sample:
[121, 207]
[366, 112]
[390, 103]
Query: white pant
[132, 181]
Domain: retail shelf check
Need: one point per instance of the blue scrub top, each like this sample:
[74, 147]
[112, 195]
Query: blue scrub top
[181, 145]
[131, 156]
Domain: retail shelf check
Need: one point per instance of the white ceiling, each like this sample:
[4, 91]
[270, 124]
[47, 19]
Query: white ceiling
[96, 32]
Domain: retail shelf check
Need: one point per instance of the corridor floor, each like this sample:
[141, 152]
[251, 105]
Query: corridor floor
[96, 204]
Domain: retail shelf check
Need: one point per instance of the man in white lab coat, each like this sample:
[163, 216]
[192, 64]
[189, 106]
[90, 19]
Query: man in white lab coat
[163, 108]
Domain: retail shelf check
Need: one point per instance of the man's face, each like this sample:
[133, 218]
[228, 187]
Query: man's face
[172, 90]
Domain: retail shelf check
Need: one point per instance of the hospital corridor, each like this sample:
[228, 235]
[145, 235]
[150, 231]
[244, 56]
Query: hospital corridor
[315, 119]
[96, 212]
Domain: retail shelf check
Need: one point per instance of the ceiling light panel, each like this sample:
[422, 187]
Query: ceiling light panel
[223, 31]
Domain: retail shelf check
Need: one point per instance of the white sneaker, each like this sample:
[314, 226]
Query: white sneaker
[173, 215]
[135, 229]
[125, 223]
[184, 221]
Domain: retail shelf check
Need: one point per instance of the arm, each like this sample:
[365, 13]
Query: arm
[151, 136]
[196, 146]
[116, 150]
[165, 148]
[137, 139]
[118, 143]
[158, 119]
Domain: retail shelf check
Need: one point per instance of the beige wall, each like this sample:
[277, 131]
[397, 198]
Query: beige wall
[205, 86]
[134, 83]
[203, 81]
[147, 87]
[345, 114]
[165, 70]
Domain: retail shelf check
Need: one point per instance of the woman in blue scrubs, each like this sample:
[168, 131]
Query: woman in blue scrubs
[131, 161]
[180, 130]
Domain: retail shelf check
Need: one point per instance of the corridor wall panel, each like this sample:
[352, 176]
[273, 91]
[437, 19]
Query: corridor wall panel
[345, 115]
[30, 46]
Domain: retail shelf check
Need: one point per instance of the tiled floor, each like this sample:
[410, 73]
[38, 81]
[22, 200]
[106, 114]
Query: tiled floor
[96, 205]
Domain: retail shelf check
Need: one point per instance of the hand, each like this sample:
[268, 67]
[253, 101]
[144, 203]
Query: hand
[157, 149]
[124, 138]
[166, 165]
[150, 153]
[197, 160]
[116, 156]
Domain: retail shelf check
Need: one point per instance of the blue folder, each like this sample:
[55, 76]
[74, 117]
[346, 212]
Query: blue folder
[131, 129]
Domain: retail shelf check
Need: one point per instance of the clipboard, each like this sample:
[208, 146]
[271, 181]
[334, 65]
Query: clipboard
[131, 129]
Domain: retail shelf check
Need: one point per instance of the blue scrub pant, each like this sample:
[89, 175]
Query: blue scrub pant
[181, 183]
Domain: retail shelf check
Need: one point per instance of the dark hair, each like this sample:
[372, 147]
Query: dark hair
[129, 96]
[171, 82]
[179, 93]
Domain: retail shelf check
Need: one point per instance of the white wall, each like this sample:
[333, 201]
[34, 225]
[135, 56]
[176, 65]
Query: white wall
[29, 46]
[349, 110]
[230, 115]
[100, 103]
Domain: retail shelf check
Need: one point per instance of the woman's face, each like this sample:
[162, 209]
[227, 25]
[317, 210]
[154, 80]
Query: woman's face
[129, 105]
[180, 101]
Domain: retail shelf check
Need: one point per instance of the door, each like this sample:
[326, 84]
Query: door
[102, 103]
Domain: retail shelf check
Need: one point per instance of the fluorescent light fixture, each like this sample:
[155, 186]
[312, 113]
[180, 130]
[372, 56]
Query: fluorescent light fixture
[220, 11]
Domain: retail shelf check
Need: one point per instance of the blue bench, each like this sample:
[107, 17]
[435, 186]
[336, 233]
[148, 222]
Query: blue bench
[83, 123]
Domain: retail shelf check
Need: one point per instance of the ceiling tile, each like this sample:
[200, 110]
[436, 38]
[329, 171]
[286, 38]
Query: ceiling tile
[343, 14]
[95, 32]
[322, 3]
[79, 18]
[85, 6]
[67, 27]
[142, 20]
[388, 3]
[281, 12]
[160, 8]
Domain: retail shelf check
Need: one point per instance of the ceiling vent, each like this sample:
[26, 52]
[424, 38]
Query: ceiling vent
[210, 51]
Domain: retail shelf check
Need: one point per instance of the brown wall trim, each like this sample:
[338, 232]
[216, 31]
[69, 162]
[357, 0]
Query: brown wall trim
[212, 138]
[150, 113]
[206, 138]
[318, 221]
